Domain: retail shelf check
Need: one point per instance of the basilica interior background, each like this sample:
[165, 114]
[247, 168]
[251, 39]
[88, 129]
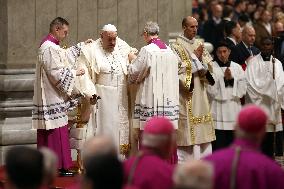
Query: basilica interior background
[23, 23]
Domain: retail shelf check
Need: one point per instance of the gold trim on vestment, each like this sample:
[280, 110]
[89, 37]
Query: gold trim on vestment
[124, 149]
[178, 48]
[193, 120]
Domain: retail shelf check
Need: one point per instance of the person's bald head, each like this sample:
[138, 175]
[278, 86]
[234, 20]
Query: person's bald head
[189, 26]
[248, 35]
[196, 174]
[98, 145]
[217, 11]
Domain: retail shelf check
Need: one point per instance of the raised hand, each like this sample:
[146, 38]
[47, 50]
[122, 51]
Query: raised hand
[228, 74]
[131, 56]
[80, 72]
[199, 51]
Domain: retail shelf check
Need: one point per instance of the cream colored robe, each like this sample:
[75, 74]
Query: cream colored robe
[195, 122]
[83, 83]
[53, 86]
[156, 72]
[108, 72]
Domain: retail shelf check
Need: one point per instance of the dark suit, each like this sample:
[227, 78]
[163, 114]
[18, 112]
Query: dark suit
[278, 45]
[212, 32]
[261, 32]
[241, 53]
[232, 47]
[230, 43]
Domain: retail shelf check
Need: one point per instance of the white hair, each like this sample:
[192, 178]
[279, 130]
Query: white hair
[99, 144]
[196, 174]
[151, 140]
[151, 28]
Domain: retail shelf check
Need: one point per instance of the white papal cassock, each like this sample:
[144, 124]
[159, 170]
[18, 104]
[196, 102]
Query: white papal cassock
[108, 71]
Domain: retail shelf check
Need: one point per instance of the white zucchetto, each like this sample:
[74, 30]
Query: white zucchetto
[109, 28]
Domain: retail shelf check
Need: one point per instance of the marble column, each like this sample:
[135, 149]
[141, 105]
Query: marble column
[17, 59]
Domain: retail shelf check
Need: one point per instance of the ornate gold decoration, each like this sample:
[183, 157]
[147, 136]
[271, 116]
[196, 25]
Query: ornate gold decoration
[182, 54]
[64, 46]
[193, 120]
[80, 124]
[124, 149]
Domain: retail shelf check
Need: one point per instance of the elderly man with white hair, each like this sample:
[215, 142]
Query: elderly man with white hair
[107, 60]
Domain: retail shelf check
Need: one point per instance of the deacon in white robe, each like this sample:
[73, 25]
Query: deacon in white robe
[195, 129]
[224, 96]
[155, 69]
[265, 78]
[107, 60]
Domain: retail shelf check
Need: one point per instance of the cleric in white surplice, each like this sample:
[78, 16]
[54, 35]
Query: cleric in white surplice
[265, 79]
[156, 71]
[230, 85]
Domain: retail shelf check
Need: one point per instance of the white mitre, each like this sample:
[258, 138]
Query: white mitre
[109, 28]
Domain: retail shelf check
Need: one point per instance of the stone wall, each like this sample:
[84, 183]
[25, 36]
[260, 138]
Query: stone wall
[23, 23]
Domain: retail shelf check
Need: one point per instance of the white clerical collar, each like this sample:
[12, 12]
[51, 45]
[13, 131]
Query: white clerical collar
[227, 19]
[233, 40]
[191, 41]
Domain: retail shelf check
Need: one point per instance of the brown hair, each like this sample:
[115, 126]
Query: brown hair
[58, 22]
